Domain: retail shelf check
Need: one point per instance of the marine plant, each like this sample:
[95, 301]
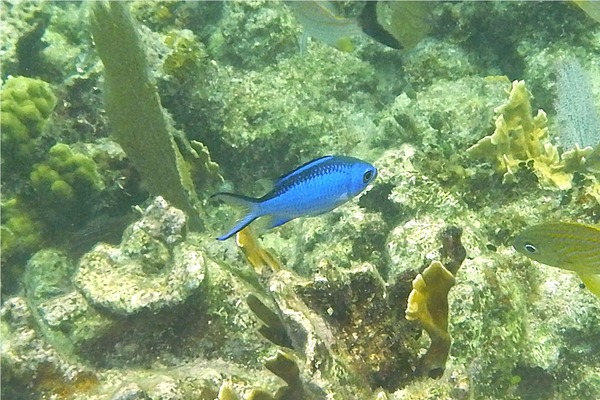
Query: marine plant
[578, 117]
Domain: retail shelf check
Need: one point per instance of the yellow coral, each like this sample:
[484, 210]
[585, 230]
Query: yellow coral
[428, 303]
[257, 256]
[520, 138]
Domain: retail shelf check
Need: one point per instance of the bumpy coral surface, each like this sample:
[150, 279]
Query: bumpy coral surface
[26, 105]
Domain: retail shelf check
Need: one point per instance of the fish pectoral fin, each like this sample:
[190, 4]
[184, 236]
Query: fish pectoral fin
[344, 44]
[592, 282]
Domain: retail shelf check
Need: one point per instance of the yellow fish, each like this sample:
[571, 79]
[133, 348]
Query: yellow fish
[571, 246]
[320, 20]
[591, 8]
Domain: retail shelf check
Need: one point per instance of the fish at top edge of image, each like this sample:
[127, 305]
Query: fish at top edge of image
[322, 21]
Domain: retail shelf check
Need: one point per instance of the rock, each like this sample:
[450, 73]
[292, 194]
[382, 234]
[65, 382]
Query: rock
[152, 268]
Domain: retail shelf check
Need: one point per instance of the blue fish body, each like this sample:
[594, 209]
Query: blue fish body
[311, 189]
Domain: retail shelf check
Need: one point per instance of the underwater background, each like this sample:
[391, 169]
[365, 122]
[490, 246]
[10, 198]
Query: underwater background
[119, 121]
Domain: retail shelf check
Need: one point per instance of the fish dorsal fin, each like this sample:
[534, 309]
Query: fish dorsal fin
[284, 179]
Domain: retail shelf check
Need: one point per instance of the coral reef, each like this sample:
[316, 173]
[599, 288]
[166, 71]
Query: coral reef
[520, 138]
[320, 319]
[26, 105]
[315, 308]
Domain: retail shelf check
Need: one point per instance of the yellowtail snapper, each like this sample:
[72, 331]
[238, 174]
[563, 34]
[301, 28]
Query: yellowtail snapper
[314, 188]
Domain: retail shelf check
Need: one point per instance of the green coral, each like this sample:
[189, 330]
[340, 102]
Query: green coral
[26, 106]
[21, 231]
[65, 186]
[67, 181]
[139, 124]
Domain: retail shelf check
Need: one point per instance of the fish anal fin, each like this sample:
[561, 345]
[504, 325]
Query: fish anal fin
[273, 221]
[592, 282]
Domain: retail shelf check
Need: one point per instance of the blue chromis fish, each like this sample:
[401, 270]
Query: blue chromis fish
[571, 246]
[320, 20]
[311, 189]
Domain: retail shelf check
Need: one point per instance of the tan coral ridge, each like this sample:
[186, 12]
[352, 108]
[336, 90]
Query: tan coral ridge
[522, 139]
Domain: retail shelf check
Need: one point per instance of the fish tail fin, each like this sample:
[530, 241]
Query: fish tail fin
[249, 206]
[592, 282]
[367, 20]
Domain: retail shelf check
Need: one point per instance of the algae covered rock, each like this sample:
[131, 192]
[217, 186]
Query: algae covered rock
[152, 268]
[29, 362]
[64, 316]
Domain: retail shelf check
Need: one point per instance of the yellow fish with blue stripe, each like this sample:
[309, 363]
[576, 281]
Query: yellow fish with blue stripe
[571, 246]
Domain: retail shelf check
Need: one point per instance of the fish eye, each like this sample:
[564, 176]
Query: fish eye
[367, 176]
[530, 248]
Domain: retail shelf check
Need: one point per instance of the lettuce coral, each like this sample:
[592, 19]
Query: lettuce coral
[428, 303]
[26, 105]
[522, 139]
